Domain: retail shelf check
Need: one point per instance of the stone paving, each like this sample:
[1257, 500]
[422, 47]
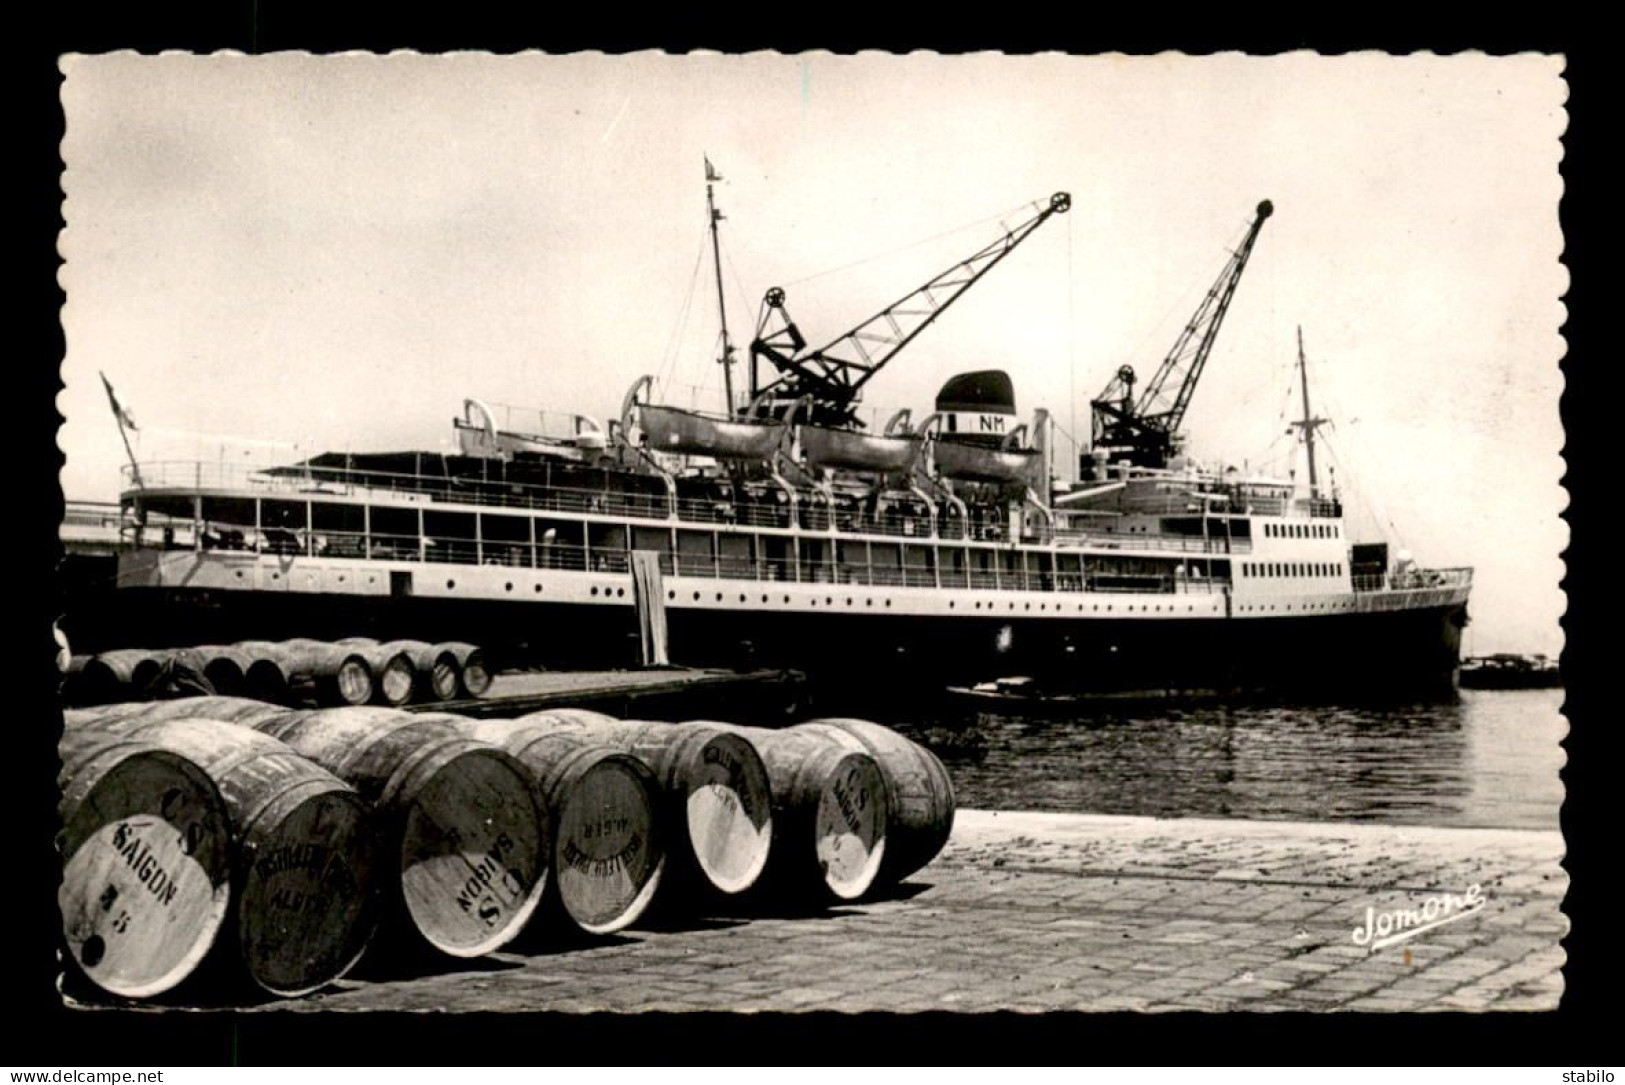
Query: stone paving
[1042, 912]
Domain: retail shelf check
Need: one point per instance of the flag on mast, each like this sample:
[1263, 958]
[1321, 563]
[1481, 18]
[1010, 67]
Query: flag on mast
[119, 412]
[710, 170]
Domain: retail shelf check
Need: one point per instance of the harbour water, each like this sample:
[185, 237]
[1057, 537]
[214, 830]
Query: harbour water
[1489, 759]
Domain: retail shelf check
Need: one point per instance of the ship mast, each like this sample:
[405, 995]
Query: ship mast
[1309, 423]
[711, 177]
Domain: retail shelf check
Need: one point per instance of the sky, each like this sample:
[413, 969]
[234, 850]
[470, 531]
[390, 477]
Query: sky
[275, 255]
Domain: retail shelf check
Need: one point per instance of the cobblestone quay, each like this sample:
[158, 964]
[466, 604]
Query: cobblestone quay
[1037, 912]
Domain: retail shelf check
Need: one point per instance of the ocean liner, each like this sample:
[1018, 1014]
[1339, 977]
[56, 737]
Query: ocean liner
[782, 531]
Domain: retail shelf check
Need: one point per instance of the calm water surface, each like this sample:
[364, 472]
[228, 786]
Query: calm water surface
[1490, 758]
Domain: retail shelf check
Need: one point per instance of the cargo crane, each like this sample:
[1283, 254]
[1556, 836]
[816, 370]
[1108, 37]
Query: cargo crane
[1144, 431]
[831, 378]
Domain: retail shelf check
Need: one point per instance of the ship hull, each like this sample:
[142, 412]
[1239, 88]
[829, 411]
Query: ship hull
[1415, 649]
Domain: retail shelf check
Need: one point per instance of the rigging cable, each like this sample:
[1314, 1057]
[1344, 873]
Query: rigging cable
[1071, 357]
[913, 244]
[1374, 509]
[673, 344]
[1357, 444]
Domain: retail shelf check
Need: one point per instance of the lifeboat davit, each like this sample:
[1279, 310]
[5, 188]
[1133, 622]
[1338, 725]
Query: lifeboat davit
[477, 435]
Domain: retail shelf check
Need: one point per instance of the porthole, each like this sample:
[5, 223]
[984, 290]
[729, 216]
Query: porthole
[509, 585]
[719, 597]
[786, 598]
[741, 597]
[595, 589]
[871, 602]
[341, 579]
[669, 594]
[764, 598]
[888, 602]
[451, 584]
[276, 576]
[848, 600]
[620, 591]
[239, 574]
[672, 594]
[696, 597]
[828, 602]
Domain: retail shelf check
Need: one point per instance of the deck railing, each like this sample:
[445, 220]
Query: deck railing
[1188, 544]
[812, 513]
[1414, 579]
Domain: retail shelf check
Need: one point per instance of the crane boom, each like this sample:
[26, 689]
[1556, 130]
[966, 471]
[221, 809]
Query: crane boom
[1145, 431]
[834, 374]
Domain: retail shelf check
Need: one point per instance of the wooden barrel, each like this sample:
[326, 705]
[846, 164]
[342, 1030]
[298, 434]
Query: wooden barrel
[921, 794]
[435, 666]
[608, 848]
[306, 849]
[462, 820]
[472, 677]
[830, 809]
[225, 667]
[718, 800]
[266, 678]
[123, 674]
[146, 863]
[339, 675]
[238, 710]
[393, 673]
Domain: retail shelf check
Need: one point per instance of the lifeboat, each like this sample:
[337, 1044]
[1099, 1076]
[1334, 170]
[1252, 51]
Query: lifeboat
[889, 452]
[669, 429]
[978, 463]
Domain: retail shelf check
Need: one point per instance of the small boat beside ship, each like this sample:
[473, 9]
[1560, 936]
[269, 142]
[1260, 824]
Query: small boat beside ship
[783, 532]
[1508, 670]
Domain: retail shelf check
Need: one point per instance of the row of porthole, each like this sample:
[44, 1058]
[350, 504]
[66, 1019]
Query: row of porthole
[830, 601]
[1096, 606]
[1288, 606]
[278, 576]
[451, 585]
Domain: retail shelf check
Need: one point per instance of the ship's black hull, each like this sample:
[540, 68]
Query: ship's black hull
[1330, 654]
